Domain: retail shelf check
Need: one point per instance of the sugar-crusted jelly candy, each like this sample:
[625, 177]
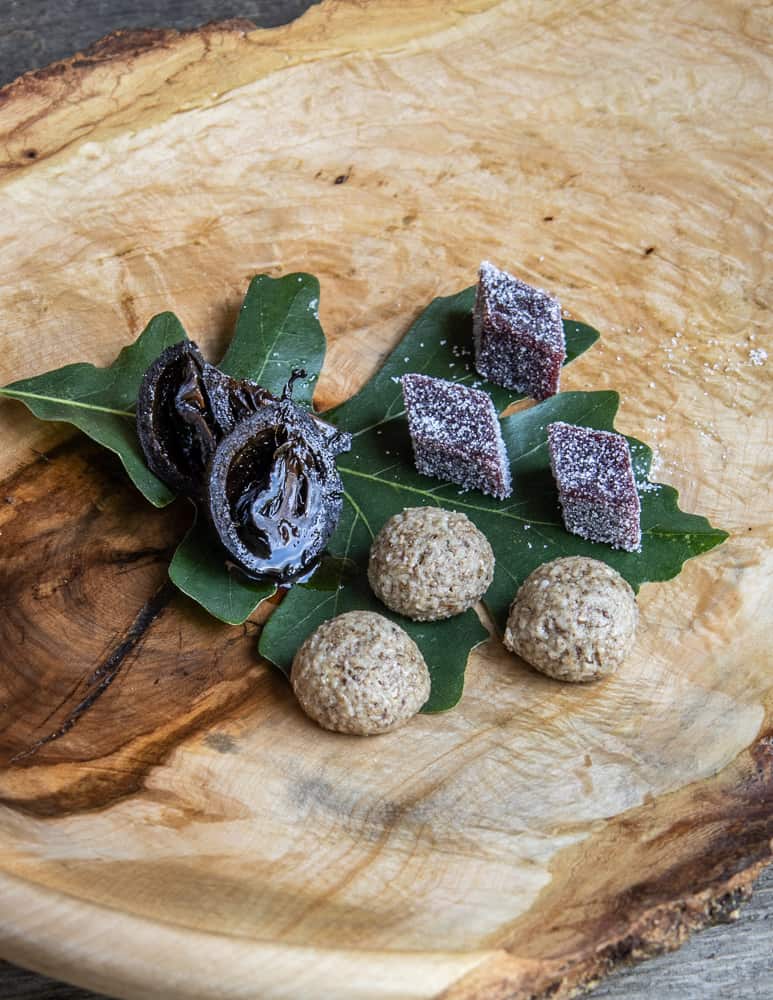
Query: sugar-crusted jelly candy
[456, 434]
[596, 487]
[518, 334]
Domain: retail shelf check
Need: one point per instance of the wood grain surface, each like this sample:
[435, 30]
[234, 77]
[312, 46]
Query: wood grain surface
[537, 836]
[721, 962]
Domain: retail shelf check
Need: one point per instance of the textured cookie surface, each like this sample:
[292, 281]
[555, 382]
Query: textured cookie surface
[360, 673]
[428, 563]
[573, 619]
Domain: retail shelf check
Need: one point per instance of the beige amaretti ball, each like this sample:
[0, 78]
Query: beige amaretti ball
[428, 563]
[360, 673]
[573, 619]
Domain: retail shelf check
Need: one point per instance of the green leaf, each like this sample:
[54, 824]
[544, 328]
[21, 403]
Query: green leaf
[198, 570]
[277, 330]
[525, 531]
[100, 401]
[439, 343]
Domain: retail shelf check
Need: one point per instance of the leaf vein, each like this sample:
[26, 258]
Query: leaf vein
[457, 503]
[22, 394]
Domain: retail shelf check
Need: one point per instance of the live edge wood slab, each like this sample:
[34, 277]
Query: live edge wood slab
[171, 823]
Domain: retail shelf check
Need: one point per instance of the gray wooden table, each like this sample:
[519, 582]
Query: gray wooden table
[732, 962]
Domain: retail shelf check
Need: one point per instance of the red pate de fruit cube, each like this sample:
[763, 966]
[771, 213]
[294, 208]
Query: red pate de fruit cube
[518, 334]
[456, 434]
[596, 486]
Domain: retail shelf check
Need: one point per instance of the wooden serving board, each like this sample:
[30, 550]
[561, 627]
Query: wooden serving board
[192, 834]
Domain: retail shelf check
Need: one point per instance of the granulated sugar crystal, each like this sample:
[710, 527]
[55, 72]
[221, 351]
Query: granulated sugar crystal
[456, 435]
[596, 486]
[518, 334]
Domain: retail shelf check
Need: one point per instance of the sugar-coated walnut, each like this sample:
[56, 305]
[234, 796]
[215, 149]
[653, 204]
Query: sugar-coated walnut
[456, 435]
[361, 674]
[428, 563]
[573, 619]
[518, 334]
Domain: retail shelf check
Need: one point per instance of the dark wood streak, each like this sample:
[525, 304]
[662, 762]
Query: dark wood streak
[106, 672]
[98, 652]
[645, 905]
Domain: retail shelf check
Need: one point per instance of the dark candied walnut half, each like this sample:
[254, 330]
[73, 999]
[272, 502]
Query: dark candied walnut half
[183, 411]
[244, 399]
[274, 494]
[187, 406]
[337, 442]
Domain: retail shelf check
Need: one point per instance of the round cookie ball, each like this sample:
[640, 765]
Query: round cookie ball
[573, 619]
[360, 673]
[428, 563]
